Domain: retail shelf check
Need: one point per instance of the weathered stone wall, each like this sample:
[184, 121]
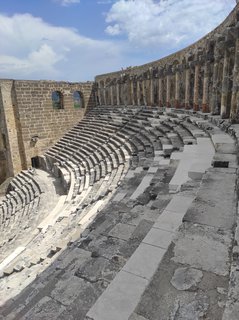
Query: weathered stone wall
[203, 76]
[30, 123]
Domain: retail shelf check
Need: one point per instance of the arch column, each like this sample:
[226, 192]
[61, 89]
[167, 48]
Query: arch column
[111, 95]
[160, 91]
[132, 90]
[214, 108]
[117, 93]
[196, 88]
[125, 96]
[104, 93]
[187, 88]
[151, 87]
[235, 88]
[168, 104]
[205, 99]
[127, 92]
[225, 85]
[168, 85]
[99, 93]
[138, 92]
[177, 77]
[144, 91]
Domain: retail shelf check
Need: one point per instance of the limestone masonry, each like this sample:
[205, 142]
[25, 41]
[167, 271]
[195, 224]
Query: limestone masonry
[26, 113]
[119, 197]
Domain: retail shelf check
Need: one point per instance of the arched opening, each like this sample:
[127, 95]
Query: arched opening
[78, 100]
[57, 100]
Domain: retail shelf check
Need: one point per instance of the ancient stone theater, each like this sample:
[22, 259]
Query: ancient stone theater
[119, 197]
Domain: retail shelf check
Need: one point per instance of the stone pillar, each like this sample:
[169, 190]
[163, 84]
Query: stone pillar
[99, 94]
[177, 102]
[160, 92]
[138, 92]
[234, 115]
[187, 88]
[168, 102]
[124, 94]
[104, 93]
[151, 87]
[127, 93]
[117, 93]
[132, 90]
[112, 94]
[215, 97]
[225, 109]
[196, 87]
[144, 91]
[205, 99]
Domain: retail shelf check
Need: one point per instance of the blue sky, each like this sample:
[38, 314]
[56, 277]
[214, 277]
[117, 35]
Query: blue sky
[75, 40]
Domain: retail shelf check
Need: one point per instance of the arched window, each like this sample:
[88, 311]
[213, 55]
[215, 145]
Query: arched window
[57, 100]
[78, 100]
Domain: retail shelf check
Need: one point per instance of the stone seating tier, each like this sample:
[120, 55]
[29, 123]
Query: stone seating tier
[97, 161]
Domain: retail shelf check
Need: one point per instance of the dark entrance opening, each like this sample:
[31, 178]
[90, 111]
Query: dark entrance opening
[221, 164]
[35, 162]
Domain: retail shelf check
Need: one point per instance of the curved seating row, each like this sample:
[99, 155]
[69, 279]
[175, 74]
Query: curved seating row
[96, 154]
[19, 205]
[98, 151]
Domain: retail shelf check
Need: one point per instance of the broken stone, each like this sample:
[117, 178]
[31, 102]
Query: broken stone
[195, 309]
[186, 278]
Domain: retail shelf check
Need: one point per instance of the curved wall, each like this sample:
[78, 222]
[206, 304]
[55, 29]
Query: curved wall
[203, 76]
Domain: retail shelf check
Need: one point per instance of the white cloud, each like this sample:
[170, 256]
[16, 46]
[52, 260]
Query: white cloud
[66, 3]
[41, 60]
[171, 23]
[31, 48]
[113, 30]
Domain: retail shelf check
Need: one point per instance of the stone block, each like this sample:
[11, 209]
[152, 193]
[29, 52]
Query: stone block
[122, 231]
[224, 143]
[204, 248]
[46, 308]
[179, 204]
[120, 298]
[208, 207]
[167, 149]
[169, 221]
[158, 237]
[142, 186]
[144, 261]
